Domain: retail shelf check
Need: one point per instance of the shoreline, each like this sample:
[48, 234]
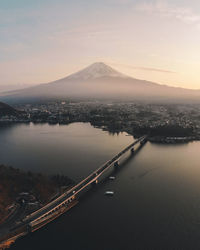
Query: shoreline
[153, 139]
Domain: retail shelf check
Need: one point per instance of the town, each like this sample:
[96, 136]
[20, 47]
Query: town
[163, 123]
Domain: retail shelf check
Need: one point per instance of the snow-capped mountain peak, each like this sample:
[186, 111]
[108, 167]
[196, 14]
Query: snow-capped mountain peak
[96, 70]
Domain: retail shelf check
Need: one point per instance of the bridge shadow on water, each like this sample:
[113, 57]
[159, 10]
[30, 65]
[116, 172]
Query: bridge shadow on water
[105, 178]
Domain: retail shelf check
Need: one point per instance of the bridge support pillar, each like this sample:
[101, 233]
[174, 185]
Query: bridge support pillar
[95, 182]
[143, 142]
[132, 150]
[116, 164]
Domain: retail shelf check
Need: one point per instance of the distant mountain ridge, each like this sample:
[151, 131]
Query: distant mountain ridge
[101, 81]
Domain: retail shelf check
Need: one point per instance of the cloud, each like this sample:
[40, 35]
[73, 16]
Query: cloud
[145, 68]
[162, 8]
[155, 70]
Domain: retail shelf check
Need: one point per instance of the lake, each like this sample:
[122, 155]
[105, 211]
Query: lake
[156, 204]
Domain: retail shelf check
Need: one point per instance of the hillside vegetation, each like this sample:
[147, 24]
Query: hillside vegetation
[14, 181]
[7, 110]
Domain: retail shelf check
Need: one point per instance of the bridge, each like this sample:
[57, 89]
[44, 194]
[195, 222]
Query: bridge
[64, 201]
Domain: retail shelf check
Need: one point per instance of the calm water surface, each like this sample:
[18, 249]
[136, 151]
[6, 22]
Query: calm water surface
[157, 192]
[74, 150]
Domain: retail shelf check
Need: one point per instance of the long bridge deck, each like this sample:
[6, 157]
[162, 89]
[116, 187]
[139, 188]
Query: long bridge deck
[57, 205]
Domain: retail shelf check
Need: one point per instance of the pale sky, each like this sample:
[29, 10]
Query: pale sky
[44, 40]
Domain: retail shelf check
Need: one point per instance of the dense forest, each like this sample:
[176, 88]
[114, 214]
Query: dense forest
[167, 130]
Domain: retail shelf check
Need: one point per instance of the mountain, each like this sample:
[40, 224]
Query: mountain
[96, 70]
[5, 109]
[101, 81]
[6, 87]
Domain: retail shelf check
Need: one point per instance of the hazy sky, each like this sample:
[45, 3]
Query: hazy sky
[44, 40]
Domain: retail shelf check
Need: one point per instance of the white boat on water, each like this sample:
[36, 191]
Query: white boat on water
[111, 193]
[112, 177]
